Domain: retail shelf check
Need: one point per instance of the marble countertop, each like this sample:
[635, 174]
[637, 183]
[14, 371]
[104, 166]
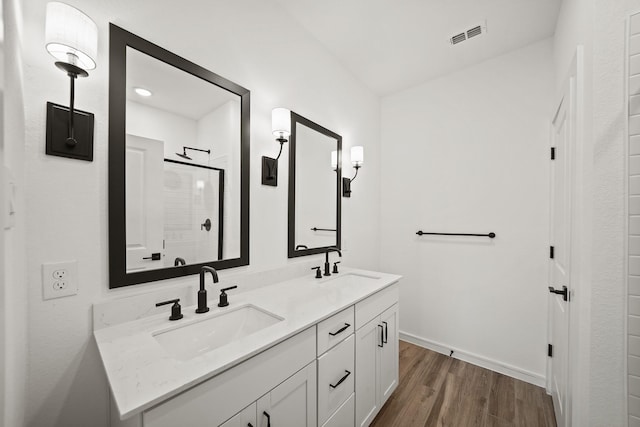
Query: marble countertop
[141, 373]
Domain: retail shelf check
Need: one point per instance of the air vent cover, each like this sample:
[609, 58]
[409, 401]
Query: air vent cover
[467, 34]
[458, 38]
[475, 31]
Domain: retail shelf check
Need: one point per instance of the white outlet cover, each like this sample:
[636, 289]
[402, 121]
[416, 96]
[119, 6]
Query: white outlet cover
[59, 279]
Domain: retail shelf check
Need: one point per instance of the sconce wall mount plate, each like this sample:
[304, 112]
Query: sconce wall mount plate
[57, 126]
[346, 187]
[269, 171]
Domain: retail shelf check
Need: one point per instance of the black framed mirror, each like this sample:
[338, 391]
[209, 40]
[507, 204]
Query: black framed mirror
[178, 165]
[315, 174]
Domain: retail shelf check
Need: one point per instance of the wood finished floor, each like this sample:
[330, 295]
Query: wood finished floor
[436, 390]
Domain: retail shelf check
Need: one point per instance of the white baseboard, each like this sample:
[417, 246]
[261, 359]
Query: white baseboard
[474, 359]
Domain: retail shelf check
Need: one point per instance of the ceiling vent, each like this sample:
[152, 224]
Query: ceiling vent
[466, 35]
[458, 38]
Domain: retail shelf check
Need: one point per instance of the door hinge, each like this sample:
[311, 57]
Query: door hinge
[553, 153]
[551, 252]
[550, 350]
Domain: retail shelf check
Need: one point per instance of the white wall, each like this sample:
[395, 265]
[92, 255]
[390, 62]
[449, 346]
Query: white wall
[599, 25]
[3, 178]
[14, 310]
[66, 208]
[469, 152]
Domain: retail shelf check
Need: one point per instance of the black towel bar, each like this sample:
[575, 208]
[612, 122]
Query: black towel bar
[490, 235]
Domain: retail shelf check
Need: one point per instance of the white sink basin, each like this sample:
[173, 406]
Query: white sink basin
[187, 341]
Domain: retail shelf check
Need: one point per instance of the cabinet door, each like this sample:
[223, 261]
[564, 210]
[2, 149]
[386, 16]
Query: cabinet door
[389, 354]
[245, 418]
[368, 340]
[292, 403]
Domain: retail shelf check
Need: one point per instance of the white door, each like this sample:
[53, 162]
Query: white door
[144, 169]
[368, 339]
[292, 403]
[389, 354]
[560, 284]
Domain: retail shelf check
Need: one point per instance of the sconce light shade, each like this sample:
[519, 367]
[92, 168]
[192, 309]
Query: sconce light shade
[357, 160]
[357, 156]
[71, 36]
[281, 123]
[334, 159]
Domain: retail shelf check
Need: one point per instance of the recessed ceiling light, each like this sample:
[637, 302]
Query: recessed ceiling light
[142, 92]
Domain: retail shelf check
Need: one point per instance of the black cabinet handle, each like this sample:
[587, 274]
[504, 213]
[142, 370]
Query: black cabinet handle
[381, 336]
[564, 292]
[268, 418]
[341, 380]
[154, 257]
[249, 425]
[386, 332]
[333, 334]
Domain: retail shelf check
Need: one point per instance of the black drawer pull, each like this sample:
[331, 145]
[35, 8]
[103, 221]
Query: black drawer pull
[381, 336]
[154, 257]
[268, 418]
[386, 332]
[341, 380]
[333, 334]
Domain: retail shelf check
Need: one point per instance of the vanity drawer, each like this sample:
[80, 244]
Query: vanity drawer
[345, 415]
[376, 304]
[335, 378]
[333, 330]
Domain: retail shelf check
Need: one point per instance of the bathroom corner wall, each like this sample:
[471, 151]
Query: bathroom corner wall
[14, 297]
[251, 42]
[469, 153]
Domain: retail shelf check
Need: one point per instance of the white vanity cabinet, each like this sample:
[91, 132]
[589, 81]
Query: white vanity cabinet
[336, 373]
[376, 353]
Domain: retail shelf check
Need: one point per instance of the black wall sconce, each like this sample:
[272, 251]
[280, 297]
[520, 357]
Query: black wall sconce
[71, 38]
[281, 128]
[357, 159]
[184, 152]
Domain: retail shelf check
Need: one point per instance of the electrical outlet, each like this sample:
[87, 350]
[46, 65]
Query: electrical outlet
[59, 279]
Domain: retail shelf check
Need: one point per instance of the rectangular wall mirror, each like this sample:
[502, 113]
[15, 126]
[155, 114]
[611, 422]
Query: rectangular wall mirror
[178, 165]
[315, 174]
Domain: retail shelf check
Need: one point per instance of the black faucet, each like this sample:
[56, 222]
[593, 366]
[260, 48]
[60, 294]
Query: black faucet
[327, 266]
[202, 293]
[179, 261]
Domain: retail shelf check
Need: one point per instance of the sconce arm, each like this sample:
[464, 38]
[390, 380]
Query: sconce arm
[282, 141]
[356, 174]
